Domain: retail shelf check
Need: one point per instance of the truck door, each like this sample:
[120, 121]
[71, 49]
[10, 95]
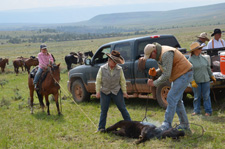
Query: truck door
[141, 76]
[125, 51]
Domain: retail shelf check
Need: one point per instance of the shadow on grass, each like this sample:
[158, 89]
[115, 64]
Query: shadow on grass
[215, 119]
[187, 141]
[131, 102]
[134, 103]
[44, 116]
[195, 140]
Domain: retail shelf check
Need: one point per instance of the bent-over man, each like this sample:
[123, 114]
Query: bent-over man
[174, 66]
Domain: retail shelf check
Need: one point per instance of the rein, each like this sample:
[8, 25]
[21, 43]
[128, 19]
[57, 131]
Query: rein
[72, 100]
[56, 82]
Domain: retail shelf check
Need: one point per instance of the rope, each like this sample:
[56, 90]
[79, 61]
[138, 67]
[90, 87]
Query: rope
[146, 110]
[196, 125]
[76, 103]
[80, 108]
[60, 99]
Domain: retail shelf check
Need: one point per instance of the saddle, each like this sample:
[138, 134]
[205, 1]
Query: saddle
[41, 79]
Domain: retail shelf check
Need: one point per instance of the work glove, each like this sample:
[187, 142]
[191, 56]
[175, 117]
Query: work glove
[214, 79]
[152, 72]
[194, 84]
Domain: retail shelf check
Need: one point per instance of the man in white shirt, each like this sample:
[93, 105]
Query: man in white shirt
[216, 42]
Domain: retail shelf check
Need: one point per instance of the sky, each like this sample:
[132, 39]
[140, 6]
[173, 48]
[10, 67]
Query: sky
[70, 11]
[162, 4]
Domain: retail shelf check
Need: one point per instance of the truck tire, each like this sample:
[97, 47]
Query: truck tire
[161, 94]
[79, 92]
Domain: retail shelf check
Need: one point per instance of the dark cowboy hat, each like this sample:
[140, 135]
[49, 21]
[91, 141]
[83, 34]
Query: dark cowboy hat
[116, 57]
[216, 31]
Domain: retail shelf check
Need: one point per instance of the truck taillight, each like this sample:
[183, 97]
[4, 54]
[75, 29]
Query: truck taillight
[156, 36]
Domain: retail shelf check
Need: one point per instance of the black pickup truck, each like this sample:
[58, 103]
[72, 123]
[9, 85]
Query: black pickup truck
[82, 78]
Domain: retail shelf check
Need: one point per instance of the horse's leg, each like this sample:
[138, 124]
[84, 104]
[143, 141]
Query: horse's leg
[17, 70]
[40, 98]
[57, 103]
[31, 101]
[47, 103]
[28, 69]
[68, 66]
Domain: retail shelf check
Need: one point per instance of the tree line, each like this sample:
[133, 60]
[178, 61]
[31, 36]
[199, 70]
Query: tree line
[67, 37]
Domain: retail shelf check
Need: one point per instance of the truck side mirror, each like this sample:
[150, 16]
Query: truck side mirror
[87, 62]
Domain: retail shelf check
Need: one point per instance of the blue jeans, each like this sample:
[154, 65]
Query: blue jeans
[105, 101]
[203, 90]
[175, 102]
[37, 76]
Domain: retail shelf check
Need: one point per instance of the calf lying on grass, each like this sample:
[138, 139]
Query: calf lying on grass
[143, 131]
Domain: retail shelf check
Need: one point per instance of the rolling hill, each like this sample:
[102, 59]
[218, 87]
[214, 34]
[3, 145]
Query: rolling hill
[212, 14]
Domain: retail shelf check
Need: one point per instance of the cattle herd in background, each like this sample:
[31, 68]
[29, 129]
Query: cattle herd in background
[26, 63]
[76, 58]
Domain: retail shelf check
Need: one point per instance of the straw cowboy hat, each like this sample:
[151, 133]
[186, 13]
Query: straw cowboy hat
[116, 57]
[195, 46]
[203, 35]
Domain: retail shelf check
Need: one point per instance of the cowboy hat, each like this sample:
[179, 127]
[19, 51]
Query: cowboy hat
[216, 31]
[116, 57]
[195, 46]
[203, 35]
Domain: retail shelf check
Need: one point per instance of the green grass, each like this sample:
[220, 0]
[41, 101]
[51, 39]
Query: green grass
[20, 129]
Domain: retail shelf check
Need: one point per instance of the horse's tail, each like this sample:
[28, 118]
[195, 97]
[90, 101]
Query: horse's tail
[25, 65]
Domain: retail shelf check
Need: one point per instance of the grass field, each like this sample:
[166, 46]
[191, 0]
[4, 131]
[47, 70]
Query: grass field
[76, 127]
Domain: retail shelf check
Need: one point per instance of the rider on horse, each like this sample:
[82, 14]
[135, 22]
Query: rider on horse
[44, 58]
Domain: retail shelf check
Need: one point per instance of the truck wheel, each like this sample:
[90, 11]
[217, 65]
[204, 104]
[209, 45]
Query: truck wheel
[79, 92]
[161, 94]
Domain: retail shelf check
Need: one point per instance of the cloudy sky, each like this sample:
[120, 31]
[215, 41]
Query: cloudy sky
[67, 11]
[164, 4]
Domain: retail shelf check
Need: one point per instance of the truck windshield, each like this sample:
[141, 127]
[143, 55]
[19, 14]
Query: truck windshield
[100, 56]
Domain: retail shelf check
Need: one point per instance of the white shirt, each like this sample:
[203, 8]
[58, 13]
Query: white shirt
[205, 46]
[217, 44]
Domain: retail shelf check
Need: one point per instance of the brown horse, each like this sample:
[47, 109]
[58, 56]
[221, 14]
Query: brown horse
[48, 86]
[31, 62]
[18, 63]
[3, 63]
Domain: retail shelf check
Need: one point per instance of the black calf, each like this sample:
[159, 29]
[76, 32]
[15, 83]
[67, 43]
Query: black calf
[136, 129]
